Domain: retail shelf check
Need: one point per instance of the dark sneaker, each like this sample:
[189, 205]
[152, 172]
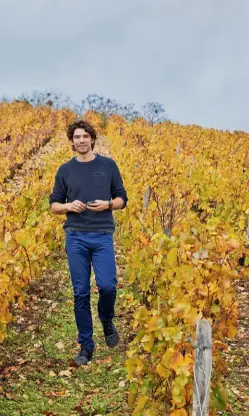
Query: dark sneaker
[83, 356]
[111, 334]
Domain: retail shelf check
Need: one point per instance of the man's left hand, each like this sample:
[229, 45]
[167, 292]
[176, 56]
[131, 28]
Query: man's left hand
[98, 205]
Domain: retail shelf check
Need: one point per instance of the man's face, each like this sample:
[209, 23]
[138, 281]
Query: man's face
[82, 141]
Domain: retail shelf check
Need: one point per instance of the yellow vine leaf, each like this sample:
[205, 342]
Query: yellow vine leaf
[179, 412]
[172, 257]
[143, 400]
[162, 371]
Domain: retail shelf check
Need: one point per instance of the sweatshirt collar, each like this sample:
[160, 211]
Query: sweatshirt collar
[86, 163]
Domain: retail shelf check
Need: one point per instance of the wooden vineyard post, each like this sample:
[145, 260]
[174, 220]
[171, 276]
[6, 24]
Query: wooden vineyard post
[146, 200]
[202, 368]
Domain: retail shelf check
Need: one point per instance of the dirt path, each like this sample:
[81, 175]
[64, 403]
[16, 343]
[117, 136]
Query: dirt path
[38, 375]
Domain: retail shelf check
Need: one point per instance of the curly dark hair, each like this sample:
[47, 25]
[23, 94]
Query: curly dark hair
[82, 124]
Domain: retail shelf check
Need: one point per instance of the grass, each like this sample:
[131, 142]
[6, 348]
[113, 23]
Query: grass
[39, 375]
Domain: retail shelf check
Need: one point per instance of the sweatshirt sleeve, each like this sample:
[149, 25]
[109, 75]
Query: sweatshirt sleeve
[117, 186]
[59, 193]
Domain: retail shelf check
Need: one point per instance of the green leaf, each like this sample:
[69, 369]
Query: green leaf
[45, 204]
[133, 388]
[219, 398]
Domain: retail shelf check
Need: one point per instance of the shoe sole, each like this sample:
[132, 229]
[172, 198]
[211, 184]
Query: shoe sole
[78, 361]
[79, 364]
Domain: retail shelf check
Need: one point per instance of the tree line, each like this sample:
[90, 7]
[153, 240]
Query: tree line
[153, 112]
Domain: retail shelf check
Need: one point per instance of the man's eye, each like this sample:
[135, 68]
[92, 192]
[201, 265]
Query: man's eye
[85, 137]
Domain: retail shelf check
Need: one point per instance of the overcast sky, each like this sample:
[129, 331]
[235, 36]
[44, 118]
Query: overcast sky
[192, 56]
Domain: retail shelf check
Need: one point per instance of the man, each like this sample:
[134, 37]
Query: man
[87, 188]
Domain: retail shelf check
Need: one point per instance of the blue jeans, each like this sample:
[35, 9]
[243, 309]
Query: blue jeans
[84, 249]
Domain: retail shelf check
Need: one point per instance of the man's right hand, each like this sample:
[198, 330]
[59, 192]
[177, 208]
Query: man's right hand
[76, 206]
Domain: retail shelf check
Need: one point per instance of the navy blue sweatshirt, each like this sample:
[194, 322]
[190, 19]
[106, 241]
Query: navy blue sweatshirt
[86, 181]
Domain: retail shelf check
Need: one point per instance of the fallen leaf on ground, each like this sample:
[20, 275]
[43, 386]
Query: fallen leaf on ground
[60, 345]
[57, 393]
[116, 371]
[107, 360]
[66, 373]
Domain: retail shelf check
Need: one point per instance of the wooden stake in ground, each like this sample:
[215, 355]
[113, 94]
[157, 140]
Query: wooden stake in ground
[203, 368]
